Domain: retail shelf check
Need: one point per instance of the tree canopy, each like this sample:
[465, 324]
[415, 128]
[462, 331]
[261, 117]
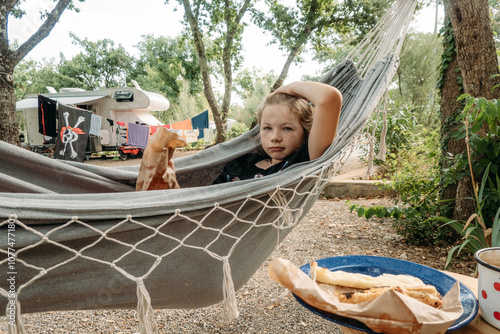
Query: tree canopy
[164, 63]
[99, 65]
[316, 22]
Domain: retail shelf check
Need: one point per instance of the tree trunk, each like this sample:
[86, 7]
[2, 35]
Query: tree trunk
[476, 51]
[308, 29]
[9, 124]
[450, 108]
[205, 72]
[284, 71]
[477, 60]
[233, 25]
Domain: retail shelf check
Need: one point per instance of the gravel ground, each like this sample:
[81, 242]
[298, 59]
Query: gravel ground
[265, 307]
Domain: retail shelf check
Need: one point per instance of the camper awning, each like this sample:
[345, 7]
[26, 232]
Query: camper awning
[68, 100]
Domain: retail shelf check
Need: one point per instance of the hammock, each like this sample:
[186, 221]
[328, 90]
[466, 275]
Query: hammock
[81, 238]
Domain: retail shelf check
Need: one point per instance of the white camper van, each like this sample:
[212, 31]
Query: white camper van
[115, 105]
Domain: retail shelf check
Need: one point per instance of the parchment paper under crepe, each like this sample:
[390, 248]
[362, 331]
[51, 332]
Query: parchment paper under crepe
[392, 312]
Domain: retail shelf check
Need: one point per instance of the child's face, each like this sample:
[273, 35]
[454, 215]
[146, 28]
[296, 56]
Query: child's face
[281, 132]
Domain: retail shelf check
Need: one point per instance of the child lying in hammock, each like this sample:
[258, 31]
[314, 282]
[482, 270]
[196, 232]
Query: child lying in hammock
[289, 133]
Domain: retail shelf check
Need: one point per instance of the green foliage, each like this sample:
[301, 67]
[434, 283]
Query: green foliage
[483, 120]
[414, 172]
[413, 168]
[254, 81]
[33, 77]
[184, 106]
[197, 145]
[417, 183]
[401, 125]
[449, 52]
[252, 86]
[378, 211]
[421, 217]
[236, 130]
[165, 63]
[475, 232]
[494, 6]
[417, 75]
[99, 65]
[318, 23]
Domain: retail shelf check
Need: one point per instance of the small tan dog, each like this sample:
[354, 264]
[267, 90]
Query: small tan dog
[157, 168]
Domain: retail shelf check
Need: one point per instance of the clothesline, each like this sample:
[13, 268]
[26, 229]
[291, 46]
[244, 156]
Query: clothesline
[192, 129]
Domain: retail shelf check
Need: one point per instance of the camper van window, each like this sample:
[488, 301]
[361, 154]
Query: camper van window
[123, 96]
[84, 106]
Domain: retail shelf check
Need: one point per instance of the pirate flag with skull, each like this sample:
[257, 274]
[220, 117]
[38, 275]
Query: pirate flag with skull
[73, 128]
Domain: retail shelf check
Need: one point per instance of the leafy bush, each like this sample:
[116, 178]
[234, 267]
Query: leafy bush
[484, 119]
[400, 126]
[236, 130]
[482, 229]
[413, 167]
[476, 235]
[418, 214]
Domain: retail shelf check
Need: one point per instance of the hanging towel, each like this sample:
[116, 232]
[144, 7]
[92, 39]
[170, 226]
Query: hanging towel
[47, 113]
[95, 124]
[74, 127]
[200, 122]
[137, 135]
[182, 125]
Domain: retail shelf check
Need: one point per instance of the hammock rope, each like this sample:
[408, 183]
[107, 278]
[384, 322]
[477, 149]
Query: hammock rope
[77, 247]
[385, 38]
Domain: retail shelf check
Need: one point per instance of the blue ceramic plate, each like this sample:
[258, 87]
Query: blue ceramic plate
[377, 265]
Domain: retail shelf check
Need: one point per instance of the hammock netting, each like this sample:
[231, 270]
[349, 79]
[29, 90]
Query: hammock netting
[81, 238]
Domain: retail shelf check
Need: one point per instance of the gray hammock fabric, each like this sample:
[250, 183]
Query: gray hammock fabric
[84, 239]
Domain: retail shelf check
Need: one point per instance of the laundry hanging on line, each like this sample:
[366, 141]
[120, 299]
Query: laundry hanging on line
[200, 122]
[95, 125]
[182, 125]
[191, 135]
[47, 115]
[137, 135]
[154, 128]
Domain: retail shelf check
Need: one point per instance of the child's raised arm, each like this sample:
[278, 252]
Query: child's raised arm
[327, 101]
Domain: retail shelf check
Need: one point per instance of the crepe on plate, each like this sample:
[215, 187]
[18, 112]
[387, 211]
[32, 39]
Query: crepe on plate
[356, 288]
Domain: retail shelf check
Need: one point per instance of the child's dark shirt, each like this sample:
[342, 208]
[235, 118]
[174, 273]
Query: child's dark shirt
[244, 168]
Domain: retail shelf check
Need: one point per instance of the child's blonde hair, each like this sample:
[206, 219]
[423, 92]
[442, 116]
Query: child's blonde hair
[298, 106]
